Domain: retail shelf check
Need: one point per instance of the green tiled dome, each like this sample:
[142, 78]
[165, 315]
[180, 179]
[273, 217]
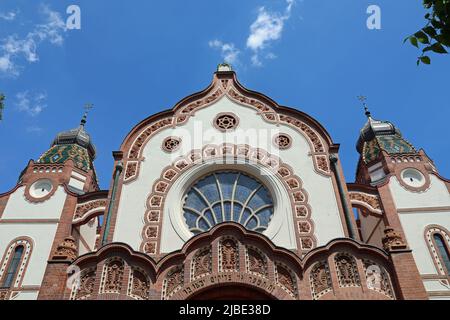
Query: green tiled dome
[381, 135]
[62, 153]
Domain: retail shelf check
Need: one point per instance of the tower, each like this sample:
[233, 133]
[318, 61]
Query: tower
[36, 215]
[414, 200]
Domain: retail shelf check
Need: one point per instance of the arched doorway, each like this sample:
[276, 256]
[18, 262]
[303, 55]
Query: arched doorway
[231, 292]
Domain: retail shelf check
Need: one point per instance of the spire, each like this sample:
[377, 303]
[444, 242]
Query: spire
[377, 135]
[75, 144]
[87, 108]
[363, 99]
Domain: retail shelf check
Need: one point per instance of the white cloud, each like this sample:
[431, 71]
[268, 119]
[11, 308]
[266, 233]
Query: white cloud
[34, 129]
[267, 27]
[228, 50]
[13, 47]
[9, 16]
[31, 103]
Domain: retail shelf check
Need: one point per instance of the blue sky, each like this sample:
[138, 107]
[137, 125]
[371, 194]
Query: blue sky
[132, 59]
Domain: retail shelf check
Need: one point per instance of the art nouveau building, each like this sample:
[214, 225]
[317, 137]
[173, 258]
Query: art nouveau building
[228, 195]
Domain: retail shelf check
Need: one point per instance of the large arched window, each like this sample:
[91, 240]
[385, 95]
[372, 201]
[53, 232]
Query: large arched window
[227, 196]
[443, 251]
[13, 267]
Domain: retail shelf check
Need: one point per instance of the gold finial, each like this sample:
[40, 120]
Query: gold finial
[363, 99]
[87, 108]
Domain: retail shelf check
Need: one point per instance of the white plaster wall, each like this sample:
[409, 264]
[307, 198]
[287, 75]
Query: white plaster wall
[322, 199]
[437, 195]
[20, 208]
[42, 235]
[414, 225]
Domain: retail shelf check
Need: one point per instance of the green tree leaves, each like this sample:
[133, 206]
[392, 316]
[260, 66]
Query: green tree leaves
[435, 36]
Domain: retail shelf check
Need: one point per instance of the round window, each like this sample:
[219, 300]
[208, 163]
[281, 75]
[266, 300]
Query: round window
[227, 196]
[41, 188]
[413, 178]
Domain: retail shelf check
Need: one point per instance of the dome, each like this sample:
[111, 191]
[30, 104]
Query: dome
[75, 144]
[76, 136]
[377, 135]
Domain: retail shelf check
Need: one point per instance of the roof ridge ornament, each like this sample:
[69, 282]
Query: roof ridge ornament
[87, 107]
[367, 112]
[224, 67]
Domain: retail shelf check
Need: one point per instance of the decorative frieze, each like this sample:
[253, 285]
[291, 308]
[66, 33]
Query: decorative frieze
[229, 255]
[347, 270]
[320, 280]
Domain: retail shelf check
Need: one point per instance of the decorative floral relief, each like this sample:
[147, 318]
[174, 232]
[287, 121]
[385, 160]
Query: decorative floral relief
[202, 263]
[131, 169]
[286, 279]
[229, 253]
[114, 276]
[86, 285]
[257, 263]
[370, 200]
[66, 250]
[347, 270]
[173, 282]
[84, 208]
[320, 279]
[139, 285]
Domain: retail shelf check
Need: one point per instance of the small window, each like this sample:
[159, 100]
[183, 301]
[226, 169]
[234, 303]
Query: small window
[13, 267]
[443, 250]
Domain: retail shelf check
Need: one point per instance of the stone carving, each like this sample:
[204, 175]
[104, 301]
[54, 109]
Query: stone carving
[171, 144]
[4, 295]
[114, 276]
[256, 262]
[286, 280]
[140, 285]
[230, 255]
[282, 141]
[377, 278]
[393, 240]
[202, 263]
[84, 208]
[320, 280]
[370, 200]
[66, 250]
[131, 169]
[86, 285]
[347, 270]
[322, 163]
[174, 281]
[226, 121]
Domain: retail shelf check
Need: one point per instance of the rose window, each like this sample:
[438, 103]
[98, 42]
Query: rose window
[227, 196]
[226, 121]
[171, 144]
[282, 141]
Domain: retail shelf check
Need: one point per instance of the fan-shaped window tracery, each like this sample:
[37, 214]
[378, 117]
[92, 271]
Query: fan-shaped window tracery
[227, 196]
